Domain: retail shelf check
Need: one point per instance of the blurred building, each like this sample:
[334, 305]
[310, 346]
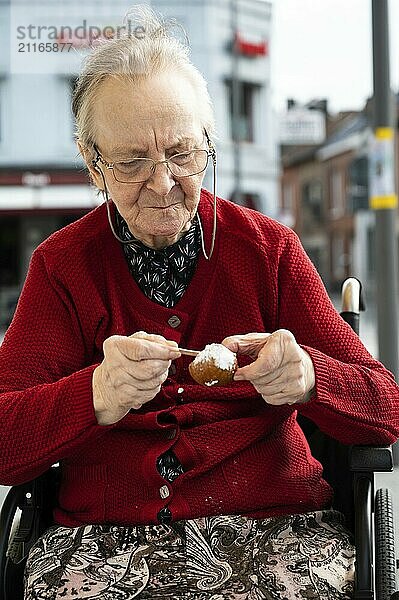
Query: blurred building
[43, 184]
[325, 196]
[304, 129]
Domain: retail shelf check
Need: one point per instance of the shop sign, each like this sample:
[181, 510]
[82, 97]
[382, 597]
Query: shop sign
[302, 126]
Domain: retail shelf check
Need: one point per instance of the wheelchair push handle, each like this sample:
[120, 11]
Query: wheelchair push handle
[351, 289]
[352, 302]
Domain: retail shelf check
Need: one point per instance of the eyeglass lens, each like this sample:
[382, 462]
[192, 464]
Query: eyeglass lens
[180, 165]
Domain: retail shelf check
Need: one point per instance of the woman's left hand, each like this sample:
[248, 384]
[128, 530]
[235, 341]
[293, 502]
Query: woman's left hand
[282, 371]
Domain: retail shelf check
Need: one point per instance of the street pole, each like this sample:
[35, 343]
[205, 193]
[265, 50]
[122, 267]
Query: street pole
[383, 199]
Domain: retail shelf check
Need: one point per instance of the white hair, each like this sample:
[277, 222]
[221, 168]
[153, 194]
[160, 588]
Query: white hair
[149, 47]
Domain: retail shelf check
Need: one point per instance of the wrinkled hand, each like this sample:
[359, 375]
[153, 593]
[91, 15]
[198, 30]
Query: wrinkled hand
[282, 371]
[131, 373]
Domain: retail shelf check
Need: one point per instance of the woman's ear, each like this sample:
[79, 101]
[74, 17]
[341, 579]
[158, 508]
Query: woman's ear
[94, 169]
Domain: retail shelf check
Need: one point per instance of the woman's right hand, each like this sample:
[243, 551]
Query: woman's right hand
[131, 373]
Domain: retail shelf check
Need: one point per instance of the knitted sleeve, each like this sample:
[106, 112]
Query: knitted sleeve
[46, 406]
[357, 399]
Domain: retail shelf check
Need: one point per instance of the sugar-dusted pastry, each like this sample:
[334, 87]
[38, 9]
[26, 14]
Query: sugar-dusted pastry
[214, 365]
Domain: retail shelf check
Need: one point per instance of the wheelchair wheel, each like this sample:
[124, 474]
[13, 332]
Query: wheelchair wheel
[385, 563]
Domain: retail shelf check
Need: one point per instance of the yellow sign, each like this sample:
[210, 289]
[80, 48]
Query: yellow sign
[380, 202]
[381, 173]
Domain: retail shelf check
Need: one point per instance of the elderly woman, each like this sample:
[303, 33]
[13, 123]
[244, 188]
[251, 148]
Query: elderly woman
[171, 489]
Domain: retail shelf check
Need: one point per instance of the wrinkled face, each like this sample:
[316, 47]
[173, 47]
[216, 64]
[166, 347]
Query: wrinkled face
[156, 119]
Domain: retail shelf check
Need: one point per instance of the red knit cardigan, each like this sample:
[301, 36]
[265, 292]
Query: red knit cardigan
[239, 454]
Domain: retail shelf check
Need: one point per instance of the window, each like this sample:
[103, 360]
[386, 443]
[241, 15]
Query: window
[358, 185]
[288, 198]
[242, 128]
[312, 202]
[9, 251]
[288, 208]
[337, 194]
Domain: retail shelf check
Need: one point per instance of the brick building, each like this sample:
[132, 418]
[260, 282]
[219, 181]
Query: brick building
[324, 195]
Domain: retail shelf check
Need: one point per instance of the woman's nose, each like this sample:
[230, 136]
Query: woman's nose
[161, 181]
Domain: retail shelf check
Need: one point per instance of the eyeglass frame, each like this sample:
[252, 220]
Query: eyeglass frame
[211, 153]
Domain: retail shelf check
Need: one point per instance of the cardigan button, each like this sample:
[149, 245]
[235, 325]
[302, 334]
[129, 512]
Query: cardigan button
[171, 433]
[180, 399]
[172, 369]
[164, 515]
[174, 321]
[164, 492]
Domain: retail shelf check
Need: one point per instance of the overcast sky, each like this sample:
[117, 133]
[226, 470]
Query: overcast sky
[323, 49]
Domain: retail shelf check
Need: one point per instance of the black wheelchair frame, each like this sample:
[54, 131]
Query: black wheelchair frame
[350, 471]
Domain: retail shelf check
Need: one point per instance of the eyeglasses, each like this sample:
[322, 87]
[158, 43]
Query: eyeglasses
[139, 170]
[185, 163]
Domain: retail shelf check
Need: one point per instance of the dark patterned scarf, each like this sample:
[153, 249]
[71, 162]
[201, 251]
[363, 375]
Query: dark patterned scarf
[162, 275]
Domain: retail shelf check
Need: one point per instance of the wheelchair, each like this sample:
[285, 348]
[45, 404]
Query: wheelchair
[27, 509]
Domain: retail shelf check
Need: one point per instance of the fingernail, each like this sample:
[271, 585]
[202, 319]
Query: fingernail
[238, 377]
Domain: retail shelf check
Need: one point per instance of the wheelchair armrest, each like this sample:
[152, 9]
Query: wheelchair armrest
[35, 499]
[12, 502]
[371, 458]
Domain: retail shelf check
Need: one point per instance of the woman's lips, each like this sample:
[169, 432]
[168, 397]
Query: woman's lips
[165, 207]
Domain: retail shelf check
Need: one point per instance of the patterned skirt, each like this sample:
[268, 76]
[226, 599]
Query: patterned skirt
[308, 556]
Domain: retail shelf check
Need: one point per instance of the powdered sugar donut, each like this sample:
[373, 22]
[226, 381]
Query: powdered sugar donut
[214, 365]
